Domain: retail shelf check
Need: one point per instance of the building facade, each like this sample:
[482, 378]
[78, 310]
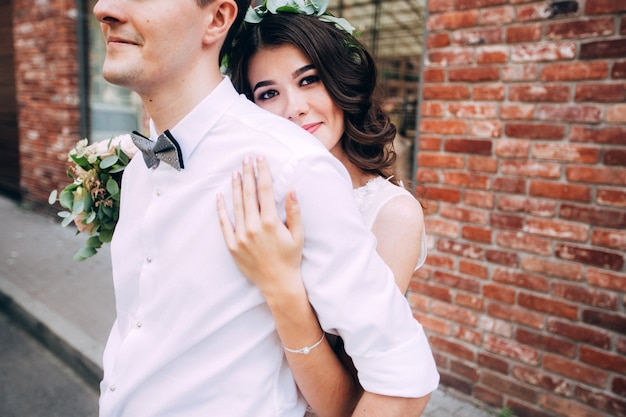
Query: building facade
[512, 120]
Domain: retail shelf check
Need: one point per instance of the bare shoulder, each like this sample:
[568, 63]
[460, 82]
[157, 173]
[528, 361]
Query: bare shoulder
[402, 211]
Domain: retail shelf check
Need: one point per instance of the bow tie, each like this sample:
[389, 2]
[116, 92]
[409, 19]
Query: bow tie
[165, 149]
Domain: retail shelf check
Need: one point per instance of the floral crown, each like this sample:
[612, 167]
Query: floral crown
[308, 7]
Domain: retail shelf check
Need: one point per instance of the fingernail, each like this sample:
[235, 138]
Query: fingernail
[260, 158]
[293, 196]
[246, 160]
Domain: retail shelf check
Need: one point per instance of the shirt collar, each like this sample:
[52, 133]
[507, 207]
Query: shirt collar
[190, 131]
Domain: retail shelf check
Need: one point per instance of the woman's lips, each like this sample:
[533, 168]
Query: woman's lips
[312, 127]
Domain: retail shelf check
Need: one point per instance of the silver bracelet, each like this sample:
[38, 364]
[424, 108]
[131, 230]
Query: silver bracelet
[307, 349]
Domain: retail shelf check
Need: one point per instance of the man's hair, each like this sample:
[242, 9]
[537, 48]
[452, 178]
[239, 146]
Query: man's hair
[347, 70]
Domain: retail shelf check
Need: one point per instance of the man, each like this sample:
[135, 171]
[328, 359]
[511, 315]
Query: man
[192, 336]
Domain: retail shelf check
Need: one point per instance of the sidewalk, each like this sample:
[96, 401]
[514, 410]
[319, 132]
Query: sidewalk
[70, 305]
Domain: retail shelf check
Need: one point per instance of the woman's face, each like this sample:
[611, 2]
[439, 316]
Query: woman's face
[284, 81]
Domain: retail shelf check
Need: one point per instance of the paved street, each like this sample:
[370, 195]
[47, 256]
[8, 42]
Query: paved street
[35, 383]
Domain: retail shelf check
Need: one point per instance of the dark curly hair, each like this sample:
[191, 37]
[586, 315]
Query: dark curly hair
[347, 70]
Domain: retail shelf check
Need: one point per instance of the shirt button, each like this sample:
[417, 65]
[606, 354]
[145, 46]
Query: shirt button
[158, 192]
[148, 259]
[139, 324]
[112, 388]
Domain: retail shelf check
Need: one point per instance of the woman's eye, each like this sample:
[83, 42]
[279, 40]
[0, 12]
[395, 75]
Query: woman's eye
[266, 95]
[311, 79]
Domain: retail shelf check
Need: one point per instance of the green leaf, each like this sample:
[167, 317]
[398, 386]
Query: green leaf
[108, 162]
[52, 198]
[91, 218]
[79, 206]
[112, 187]
[106, 235]
[117, 169]
[69, 219]
[66, 198]
[84, 253]
[63, 214]
[94, 242]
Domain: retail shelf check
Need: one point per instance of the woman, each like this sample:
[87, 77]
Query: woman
[316, 74]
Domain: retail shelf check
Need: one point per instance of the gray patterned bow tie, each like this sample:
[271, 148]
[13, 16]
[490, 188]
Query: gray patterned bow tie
[165, 149]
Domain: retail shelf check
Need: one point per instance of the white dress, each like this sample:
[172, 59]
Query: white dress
[370, 199]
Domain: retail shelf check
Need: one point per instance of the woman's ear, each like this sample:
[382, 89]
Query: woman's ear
[222, 16]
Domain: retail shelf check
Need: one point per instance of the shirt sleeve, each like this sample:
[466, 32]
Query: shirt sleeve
[353, 291]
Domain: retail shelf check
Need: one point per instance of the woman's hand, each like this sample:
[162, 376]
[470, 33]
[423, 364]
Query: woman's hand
[266, 250]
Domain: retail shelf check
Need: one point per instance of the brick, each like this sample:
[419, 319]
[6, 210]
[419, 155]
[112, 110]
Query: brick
[512, 148]
[492, 398]
[454, 348]
[588, 256]
[442, 228]
[580, 28]
[434, 75]
[476, 234]
[604, 6]
[458, 384]
[474, 74]
[619, 386]
[516, 314]
[452, 20]
[536, 377]
[444, 127]
[610, 197]
[566, 407]
[605, 93]
[509, 387]
[594, 216]
[543, 52]
[548, 305]
[485, 129]
[430, 159]
[602, 359]
[509, 185]
[492, 55]
[583, 295]
[470, 146]
[545, 342]
[619, 69]
[523, 242]
[607, 280]
[434, 291]
[474, 269]
[570, 113]
[486, 360]
[575, 71]
[493, 92]
[609, 321]
[446, 92]
[579, 333]
[604, 135]
[496, 16]
[432, 324]
[472, 336]
[456, 282]
[534, 206]
[531, 169]
[454, 56]
[438, 6]
[550, 268]
[574, 370]
[557, 229]
[467, 215]
[520, 72]
[600, 400]
[476, 4]
[517, 111]
[615, 48]
[532, 12]
[429, 143]
[566, 152]
[621, 346]
[570, 192]
[539, 93]
[506, 221]
[460, 249]
[614, 157]
[430, 109]
[437, 40]
[524, 410]
[534, 131]
[511, 349]
[481, 164]
[499, 292]
[465, 371]
[523, 33]
[469, 301]
[503, 258]
[616, 114]
[472, 110]
[592, 175]
[612, 239]
[520, 280]
[470, 37]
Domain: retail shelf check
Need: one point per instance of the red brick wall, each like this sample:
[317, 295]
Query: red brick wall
[522, 150]
[47, 93]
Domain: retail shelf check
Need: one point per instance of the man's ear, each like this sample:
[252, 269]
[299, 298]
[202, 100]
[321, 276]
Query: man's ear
[222, 16]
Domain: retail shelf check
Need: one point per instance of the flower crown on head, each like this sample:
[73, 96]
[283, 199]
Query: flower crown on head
[308, 7]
